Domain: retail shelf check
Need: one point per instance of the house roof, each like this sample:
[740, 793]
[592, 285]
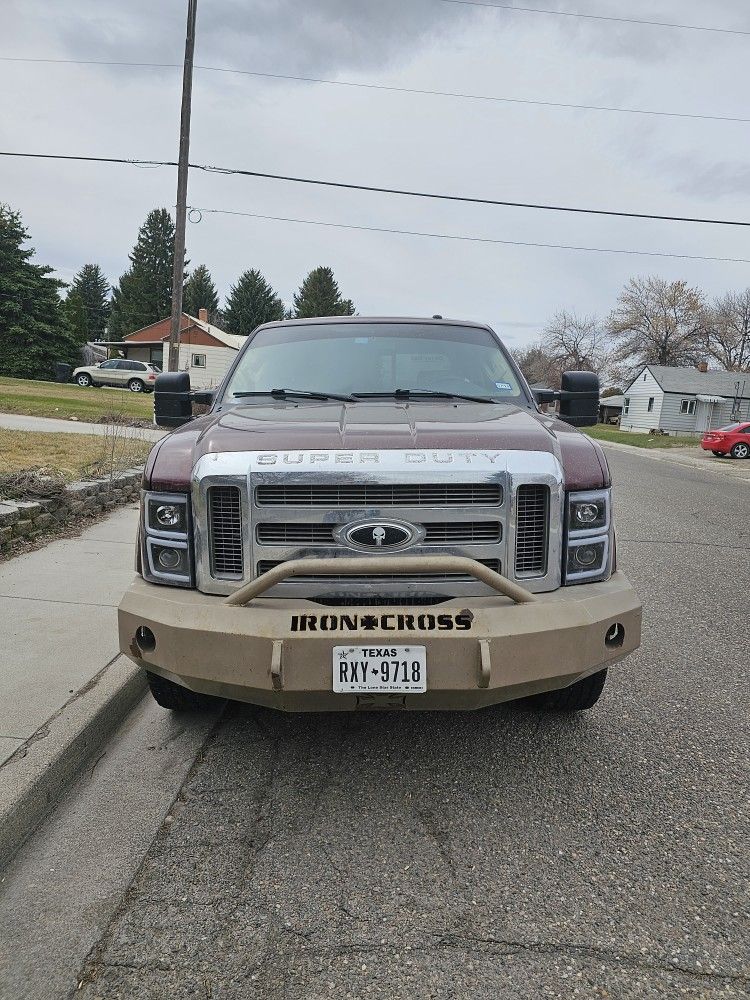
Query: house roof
[691, 382]
[227, 339]
[612, 401]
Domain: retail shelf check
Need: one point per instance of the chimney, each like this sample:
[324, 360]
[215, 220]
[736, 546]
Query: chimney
[702, 366]
[203, 315]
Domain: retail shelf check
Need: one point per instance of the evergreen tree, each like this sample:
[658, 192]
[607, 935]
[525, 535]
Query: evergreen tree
[76, 317]
[93, 290]
[251, 302]
[319, 295]
[34, 333]
[200, 293]
[144, 292]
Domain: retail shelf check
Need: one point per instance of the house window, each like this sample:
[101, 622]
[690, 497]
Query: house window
[687, 406]
[651, 404]
[199, 361]
[645, 376]
[626, 405]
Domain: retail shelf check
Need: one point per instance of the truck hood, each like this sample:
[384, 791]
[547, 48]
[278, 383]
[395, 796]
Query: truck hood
[374, 425]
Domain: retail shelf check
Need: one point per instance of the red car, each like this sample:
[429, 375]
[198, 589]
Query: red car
[734, 440]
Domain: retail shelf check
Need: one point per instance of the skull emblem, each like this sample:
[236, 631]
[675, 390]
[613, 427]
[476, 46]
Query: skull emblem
[378, 534]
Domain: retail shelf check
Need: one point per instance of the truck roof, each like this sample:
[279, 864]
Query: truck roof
[426, 320]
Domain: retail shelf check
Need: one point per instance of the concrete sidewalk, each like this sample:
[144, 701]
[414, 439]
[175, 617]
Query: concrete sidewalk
[59, 622]
[22, 422]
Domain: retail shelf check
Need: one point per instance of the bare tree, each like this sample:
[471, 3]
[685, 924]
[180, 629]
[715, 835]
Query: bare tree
[658, 322]
[576, 343]
[536, 364]
[728, 333]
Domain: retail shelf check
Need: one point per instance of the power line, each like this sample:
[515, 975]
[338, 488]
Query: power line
[598, 17]
[453, 236]
[424, 92]
[342, 185]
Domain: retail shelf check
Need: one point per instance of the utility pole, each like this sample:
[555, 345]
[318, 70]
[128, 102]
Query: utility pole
[182, 183]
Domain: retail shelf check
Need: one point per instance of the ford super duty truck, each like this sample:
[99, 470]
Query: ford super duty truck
[376, 513]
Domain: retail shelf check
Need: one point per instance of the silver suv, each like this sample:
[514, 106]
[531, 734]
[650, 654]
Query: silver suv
[138, 376]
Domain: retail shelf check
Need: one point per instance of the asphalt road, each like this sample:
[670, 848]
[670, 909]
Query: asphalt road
[503, 854]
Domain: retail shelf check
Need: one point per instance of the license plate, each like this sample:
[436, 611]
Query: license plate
[379, 669]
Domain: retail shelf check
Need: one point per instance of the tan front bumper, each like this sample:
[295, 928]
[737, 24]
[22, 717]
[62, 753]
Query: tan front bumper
[254, 654]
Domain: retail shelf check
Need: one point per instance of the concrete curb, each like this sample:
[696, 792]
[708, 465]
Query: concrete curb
[722, 467]
[35, 777]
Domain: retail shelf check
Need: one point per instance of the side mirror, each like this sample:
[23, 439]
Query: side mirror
[579, 399]
[173, 403]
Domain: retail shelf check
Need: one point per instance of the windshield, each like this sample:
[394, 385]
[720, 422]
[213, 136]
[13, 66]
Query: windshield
[351, 358]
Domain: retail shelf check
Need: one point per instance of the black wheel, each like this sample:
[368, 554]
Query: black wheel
[84, 380]
[578, 697]
[136, 385]
[179, 699]
[719, 454]
[740, 450]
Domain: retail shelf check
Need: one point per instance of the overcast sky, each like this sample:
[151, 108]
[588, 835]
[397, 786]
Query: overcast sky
[79, 213]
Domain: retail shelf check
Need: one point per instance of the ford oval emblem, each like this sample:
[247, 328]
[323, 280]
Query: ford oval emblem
[379, 534]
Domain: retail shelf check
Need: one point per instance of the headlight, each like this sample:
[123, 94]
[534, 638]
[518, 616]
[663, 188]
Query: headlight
[167, 543]
[588, 512]
[589, 527]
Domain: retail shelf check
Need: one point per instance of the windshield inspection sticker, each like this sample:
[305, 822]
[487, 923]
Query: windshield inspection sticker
[505, 386]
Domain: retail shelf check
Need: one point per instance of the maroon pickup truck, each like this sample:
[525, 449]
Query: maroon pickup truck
[375, 513]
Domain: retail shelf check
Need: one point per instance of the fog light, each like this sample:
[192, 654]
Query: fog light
[615, 636]
[145, 639]
[585, 556]
[169, 558]
[167, 515]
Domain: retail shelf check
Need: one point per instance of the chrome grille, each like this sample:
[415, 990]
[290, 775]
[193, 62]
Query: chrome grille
[225, 532]
[380, 495]
[532, 519]
[436, 533]
[267, 564]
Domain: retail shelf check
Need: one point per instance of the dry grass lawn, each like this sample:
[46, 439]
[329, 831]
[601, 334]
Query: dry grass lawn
[53, 399]
[69, 456]
[607, 432]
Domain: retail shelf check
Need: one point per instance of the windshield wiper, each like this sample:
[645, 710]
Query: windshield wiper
[296, 394]
[424, 394]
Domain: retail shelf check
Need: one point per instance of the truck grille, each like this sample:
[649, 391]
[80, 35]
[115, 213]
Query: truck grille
[436, 533]
[380, 495]
[532, 518]
[225, 532]
[266, 564]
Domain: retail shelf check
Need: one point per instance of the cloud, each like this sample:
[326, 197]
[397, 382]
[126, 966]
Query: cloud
[292, 36]
[715, 180]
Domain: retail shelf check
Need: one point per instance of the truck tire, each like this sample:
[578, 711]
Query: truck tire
[580, 696]
[178, 699]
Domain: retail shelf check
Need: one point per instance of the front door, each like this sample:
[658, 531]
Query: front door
[703, 416]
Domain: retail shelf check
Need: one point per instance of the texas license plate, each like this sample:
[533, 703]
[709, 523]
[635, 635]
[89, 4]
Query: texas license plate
[379, 669]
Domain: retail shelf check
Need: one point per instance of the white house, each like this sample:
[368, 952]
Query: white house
[684, 400]
[206, 352]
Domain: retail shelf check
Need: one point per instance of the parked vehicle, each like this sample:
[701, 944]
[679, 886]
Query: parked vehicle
[734, 440]
[400, 527]
[138, 376]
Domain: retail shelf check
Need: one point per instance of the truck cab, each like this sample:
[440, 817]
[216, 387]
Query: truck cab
[375, 513]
